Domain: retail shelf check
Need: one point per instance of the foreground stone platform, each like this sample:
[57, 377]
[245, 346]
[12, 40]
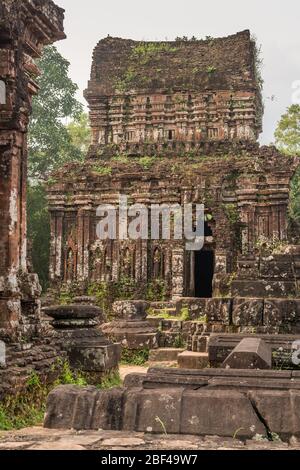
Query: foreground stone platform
[38, 438]
[208, 402]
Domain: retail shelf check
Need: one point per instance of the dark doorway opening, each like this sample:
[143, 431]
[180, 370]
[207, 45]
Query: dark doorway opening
[204, 273]
[207, 230]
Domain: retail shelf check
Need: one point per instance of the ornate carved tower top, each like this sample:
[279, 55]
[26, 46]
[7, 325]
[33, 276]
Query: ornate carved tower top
[178, 94]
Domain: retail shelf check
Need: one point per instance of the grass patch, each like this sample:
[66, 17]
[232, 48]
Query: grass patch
[135, 357]
[24, 409]
[111, 380]
[28, 407]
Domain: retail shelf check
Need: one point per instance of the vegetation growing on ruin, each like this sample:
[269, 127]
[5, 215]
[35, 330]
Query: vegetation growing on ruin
[271, 246]
[232, 213]
[111, 380]
[145, 51]
[135, 357]
[157, 291]
[179, 342]
[141, 55]
[106, 293]
[258, 62]
[211, 69]
[28, 407]
[165, 314]
[146, 162]
[65, 298]
[102, 170]
[120, 158]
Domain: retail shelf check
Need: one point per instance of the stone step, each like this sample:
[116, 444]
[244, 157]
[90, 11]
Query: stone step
[165, 354]
[163, 305]
[193, 360]
[166, 312]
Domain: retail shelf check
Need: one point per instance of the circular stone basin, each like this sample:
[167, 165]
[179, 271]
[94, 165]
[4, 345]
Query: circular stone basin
[78, 312]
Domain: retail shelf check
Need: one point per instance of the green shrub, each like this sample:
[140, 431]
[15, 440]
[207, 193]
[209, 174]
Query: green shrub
[156, 291]
[135, 357]
[111, 380]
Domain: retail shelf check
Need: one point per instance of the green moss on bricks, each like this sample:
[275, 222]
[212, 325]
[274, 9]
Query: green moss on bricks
[102, 170]
[146, 162]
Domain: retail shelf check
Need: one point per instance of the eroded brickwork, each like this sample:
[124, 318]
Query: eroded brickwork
[25, 27]
[177, 123]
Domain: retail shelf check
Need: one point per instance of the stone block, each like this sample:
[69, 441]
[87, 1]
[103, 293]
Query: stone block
[65, 403]
[250, 353]
[283, 313]
[130, 309]
[159, 411]
[263, 288]
[76, 312]
[219, 413]
[165, 354]
[247, 312]
[211, 402]
[196, 307]
[83, 408]
[278, 266]
[94, 358]
[108, 409]
[193, 360]
[280, 410]
[212, 310]
[218, 310]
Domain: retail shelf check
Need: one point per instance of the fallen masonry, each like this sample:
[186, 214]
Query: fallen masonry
[250, 353]
[185, 401]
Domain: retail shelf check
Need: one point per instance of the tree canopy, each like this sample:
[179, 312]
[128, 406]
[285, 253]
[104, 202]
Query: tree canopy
[287, 137]
[58, 133]
[57, 122]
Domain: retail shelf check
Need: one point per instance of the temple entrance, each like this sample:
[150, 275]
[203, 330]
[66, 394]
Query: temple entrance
[204, 273]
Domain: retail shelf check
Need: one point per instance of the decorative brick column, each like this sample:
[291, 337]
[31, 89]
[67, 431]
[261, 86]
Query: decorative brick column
[25, 27]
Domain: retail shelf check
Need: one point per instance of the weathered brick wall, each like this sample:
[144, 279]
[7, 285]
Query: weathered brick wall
[182, 91]
[245, 192]
[25, 27]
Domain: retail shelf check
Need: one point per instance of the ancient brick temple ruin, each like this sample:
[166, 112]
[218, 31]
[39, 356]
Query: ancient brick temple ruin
[25, 27]
[177, 122]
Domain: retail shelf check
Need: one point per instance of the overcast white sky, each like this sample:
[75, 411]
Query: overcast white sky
[276, 24]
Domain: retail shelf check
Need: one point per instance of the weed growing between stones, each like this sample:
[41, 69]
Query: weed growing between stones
[26, 408]
[135, 357]
[179, 342]
[111, 380]
[156, 291]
